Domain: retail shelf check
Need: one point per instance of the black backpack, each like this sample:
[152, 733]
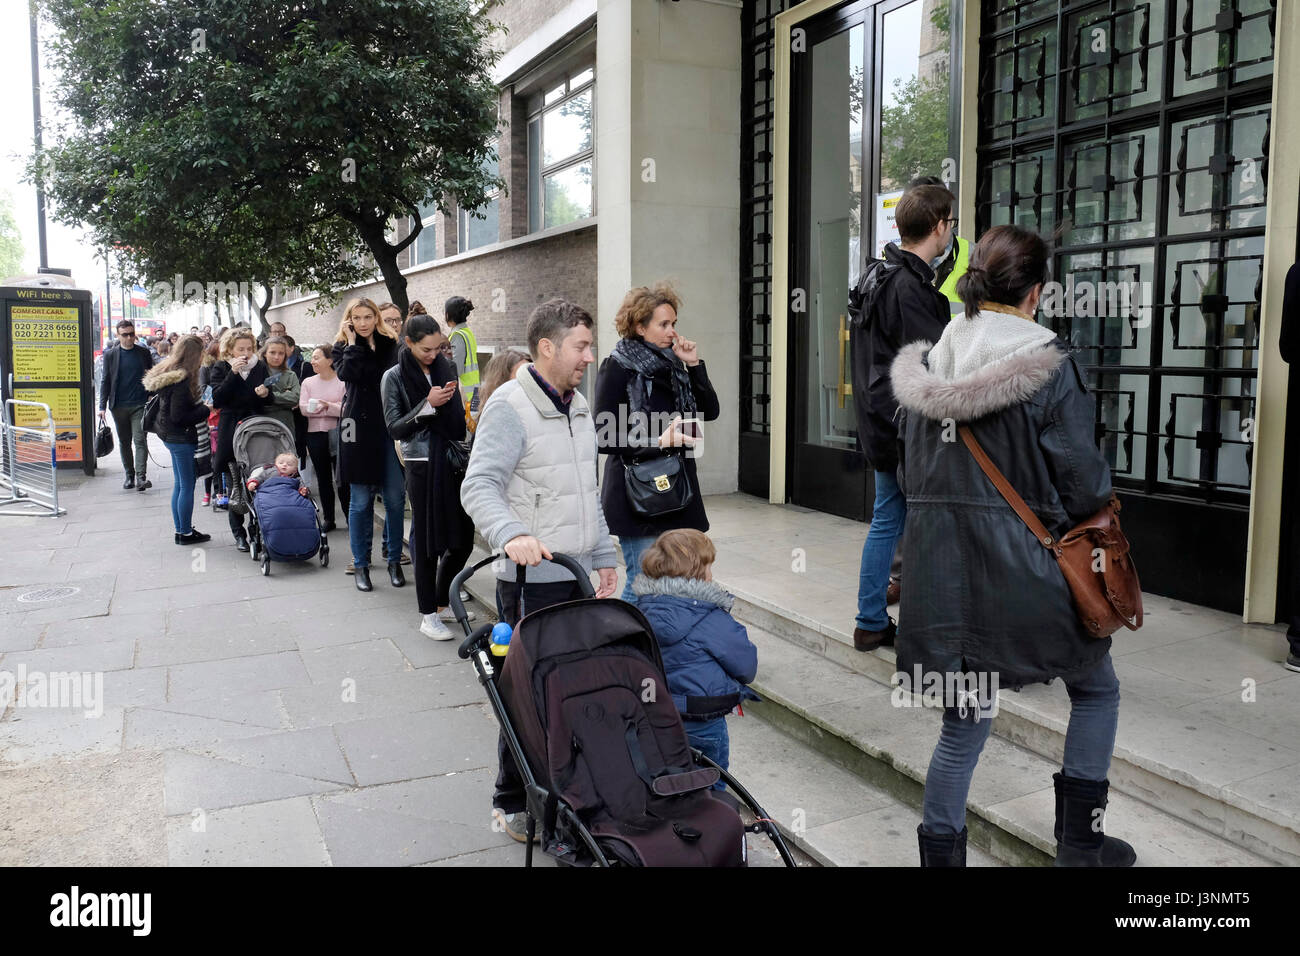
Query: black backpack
[151, 410]
[863, 296]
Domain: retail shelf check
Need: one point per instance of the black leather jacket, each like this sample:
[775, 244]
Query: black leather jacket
[982, 594]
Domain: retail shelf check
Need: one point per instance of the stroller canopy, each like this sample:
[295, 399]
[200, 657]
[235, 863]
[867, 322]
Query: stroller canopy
[258, 440]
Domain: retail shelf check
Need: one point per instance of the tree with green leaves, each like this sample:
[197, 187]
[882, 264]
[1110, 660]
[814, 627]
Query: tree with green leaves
[263, 126]
[11, 239]
[914, 131]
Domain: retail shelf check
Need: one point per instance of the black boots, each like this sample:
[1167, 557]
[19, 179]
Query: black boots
[241, 542]
[362, 578]
[395, 576]
[1080, 805]
[942, 850]
[129, 483]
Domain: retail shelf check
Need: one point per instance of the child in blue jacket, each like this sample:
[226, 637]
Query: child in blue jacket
[708, 657]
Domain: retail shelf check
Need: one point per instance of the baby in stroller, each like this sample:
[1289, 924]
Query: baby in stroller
[285, 466]
[285, 524]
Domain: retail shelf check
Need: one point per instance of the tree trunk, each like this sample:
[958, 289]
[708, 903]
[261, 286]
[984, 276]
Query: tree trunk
[372, 232]
[264, 305]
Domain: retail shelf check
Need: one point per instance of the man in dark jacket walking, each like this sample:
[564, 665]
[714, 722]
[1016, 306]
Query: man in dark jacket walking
[895, 303]
[121, 391]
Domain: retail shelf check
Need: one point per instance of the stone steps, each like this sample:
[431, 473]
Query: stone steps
[853, 720]
[1200, 821]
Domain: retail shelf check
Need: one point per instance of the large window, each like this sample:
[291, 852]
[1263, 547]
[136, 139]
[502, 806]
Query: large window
[561, 151]
[1138, 135]
[425, 247]
[479, 227]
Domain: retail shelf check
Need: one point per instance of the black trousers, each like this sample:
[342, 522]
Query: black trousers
[432, 578]
[322, 462]
[509, 795]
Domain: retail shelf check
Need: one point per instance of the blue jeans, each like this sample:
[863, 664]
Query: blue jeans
[710, 738]
[887, 517]
[361, 512]
[182, 486]
[1089, 743]
[633, 548]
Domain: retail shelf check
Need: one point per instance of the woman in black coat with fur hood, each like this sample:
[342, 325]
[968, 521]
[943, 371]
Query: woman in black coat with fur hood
[364, 349]
[987, 605]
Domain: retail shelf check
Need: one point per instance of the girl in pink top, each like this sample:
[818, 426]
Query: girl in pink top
[321, 401]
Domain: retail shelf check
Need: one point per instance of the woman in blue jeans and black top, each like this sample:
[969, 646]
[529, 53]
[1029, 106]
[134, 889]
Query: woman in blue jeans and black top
[176, 382]
[984, 598]
[423, 409]
[364, 349]
[652, 376]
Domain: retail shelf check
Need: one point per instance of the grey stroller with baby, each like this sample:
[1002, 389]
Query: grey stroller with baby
[283, 524]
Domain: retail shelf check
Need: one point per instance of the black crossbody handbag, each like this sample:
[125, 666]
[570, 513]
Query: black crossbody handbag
[657, 486]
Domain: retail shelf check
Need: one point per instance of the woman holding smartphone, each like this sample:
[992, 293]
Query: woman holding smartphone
[364, 349]
[653, 377]
[423, 410]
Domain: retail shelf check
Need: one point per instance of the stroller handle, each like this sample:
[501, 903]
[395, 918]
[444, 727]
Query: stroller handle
[458, 606]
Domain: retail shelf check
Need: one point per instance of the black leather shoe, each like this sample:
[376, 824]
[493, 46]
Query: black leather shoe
[241, 543]
[144, 485]
[864, 640]
[395, 576]
[329, 526]
[129, 483]
[362, 577]
[194, 537]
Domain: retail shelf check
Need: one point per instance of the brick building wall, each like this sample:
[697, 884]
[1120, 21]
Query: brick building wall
[522, 17]
[504, 284]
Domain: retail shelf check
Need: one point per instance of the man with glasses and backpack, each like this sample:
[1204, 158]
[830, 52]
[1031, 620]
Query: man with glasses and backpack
[121, 390]
[894, 304]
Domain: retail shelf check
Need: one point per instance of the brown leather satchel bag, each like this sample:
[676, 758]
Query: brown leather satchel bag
[1093, 555]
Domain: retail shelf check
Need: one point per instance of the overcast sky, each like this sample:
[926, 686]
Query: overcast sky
[67, 247]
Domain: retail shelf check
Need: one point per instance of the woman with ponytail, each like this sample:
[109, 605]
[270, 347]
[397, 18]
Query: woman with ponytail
[986, 604]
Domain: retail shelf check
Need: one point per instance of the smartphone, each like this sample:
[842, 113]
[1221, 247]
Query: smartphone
[207, 393]
[690, 427]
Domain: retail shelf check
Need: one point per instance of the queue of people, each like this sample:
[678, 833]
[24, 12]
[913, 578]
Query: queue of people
[390, 412]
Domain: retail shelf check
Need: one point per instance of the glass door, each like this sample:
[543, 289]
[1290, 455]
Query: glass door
[871, 105]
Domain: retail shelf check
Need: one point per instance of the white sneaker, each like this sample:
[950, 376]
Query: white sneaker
[430, 626]
[449, 616]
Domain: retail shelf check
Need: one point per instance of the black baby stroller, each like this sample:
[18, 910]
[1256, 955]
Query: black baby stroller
[286, 526]
[586, 714]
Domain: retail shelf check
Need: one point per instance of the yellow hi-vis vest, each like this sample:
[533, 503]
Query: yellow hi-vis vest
[949, 288]
[468, 374]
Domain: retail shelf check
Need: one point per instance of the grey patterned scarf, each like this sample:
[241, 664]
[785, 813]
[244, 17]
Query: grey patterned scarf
[646, 360]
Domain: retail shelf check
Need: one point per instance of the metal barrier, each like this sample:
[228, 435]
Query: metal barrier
[28, 468]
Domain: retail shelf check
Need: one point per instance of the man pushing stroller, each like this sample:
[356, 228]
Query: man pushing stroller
[530, 488]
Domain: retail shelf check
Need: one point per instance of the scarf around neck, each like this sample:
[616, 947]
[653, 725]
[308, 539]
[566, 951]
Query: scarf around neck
[646, 361]
[415, 385]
